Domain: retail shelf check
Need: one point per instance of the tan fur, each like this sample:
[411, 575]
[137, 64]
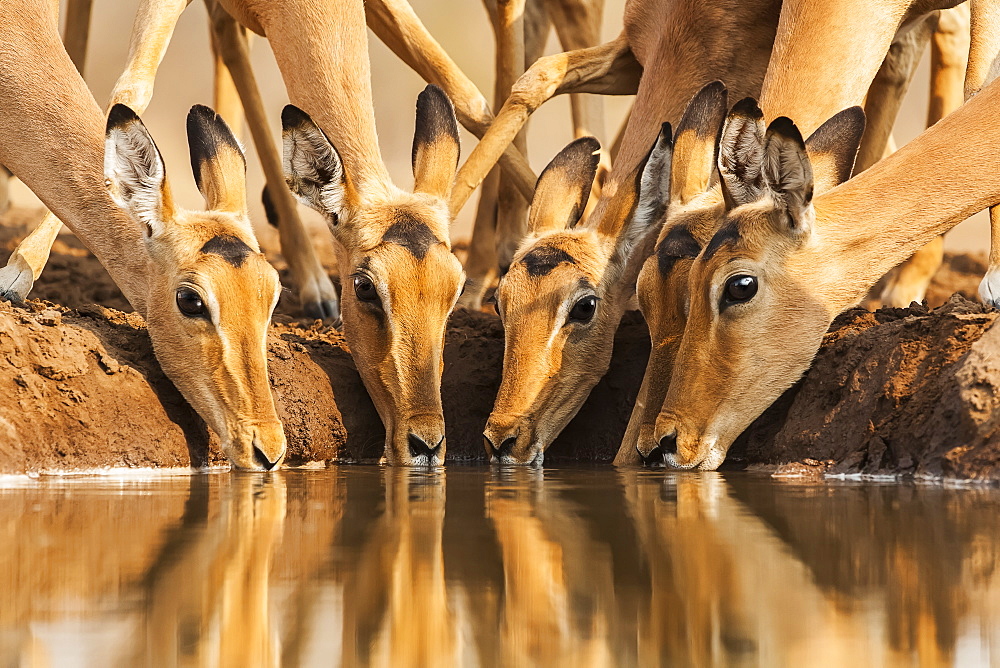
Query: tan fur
[549, 369]
[731, 367]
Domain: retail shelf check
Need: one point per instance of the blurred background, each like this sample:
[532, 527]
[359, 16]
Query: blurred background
[461, 26]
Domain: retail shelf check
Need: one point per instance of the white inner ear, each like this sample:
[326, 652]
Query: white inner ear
[135, 174]
[305, 152]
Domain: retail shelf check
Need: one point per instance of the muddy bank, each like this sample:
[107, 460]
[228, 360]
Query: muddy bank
[901, 390]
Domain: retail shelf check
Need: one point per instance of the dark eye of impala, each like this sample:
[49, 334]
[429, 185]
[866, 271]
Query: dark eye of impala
[190, 303]
[740, 288]
[584, 309]
[364, 288]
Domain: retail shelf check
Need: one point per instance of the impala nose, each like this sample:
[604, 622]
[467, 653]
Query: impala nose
[420, 448]
[262, 460]
[657, 456]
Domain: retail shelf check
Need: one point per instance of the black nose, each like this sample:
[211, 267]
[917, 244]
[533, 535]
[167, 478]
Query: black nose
[505, 448]
[262, 459]
[668, 444]
[419, 447]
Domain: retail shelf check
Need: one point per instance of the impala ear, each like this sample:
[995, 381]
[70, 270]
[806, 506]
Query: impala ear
[134, 173]
[833, 147]
[789, 176]
[696, 142]
[564, 186]
[219, 167]
[436, 146]
[313, 168]
[741, 154]
[653, 187]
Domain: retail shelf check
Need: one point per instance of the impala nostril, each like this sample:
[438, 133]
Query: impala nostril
[419, 447]
[668, 444]
[655, 456]
[262, 460]
[507, 446]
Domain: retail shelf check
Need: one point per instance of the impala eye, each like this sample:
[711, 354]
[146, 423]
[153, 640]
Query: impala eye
[190, 303]
[584, 309]
[364, 288]
[740, 288]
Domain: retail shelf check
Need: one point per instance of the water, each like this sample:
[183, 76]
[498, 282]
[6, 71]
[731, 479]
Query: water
[472, 566]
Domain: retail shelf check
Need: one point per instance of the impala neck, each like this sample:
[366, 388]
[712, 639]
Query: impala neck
[823, 61]
[876, 220]
[322, 52]
[54, 142]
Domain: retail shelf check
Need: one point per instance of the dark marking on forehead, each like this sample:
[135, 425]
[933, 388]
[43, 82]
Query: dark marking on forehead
[412, 235]
[727, 234]
[677, 245]
[231, 249]
[543, 259]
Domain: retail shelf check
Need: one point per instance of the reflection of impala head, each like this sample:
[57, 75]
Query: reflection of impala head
[212, 293]
[401, 279]
[752, 324]
[561, 301]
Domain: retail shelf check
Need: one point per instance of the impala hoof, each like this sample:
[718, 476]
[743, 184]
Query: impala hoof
[326, 310]
[989, 289]
[16, 280]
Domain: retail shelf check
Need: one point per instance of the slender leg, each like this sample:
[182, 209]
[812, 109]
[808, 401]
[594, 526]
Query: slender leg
[25, 264]
[77, 31]
[984, 60]
[316, 292]
[908, 282]
[225, 97]
[481, 263]
[512, 206]
[610, 69]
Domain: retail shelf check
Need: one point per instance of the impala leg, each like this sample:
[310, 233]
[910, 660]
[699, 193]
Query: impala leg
[984, 66]
[317, 295]
[77, 31]
[512, 206]
[481, 263]
[225, 97]
[153, 26]
[609, 69]
[25, 264]
[399, 28]
[578, 24]
[909, 281]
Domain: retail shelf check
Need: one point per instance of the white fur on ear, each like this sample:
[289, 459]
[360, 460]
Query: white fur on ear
[788, 174]
[313, 168]
[133, 169]
[741, 153]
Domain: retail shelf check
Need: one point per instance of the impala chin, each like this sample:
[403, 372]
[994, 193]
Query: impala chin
[417, 441]
[681, 448]
[256, 446]
[511, 441]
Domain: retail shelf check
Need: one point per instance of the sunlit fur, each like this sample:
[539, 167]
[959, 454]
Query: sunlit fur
[727, 358]
[400, 242]
[679, 56]
[218, 361]
[551, 361]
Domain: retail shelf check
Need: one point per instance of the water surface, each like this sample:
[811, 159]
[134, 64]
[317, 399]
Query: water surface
[472, 566]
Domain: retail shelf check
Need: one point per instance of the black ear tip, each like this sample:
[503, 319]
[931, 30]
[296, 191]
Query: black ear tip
[747, 107]
[292, 116]
[589, 144]
[713, 88]
[120, 115]
[784, 127]
[434, 98]
[666, 133]
[201, 111]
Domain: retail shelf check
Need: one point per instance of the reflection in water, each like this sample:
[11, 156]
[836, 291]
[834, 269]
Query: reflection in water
[393, 567]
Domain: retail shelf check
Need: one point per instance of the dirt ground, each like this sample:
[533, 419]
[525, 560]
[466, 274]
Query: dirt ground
[900, 391]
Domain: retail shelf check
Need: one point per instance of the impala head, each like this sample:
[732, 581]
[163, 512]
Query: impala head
[757, 303]
[400, 278]
[561, 302]
[211, 291]
[692, 201]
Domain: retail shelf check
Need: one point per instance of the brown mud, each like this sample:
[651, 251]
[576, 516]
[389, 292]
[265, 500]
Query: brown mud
[908, 391]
